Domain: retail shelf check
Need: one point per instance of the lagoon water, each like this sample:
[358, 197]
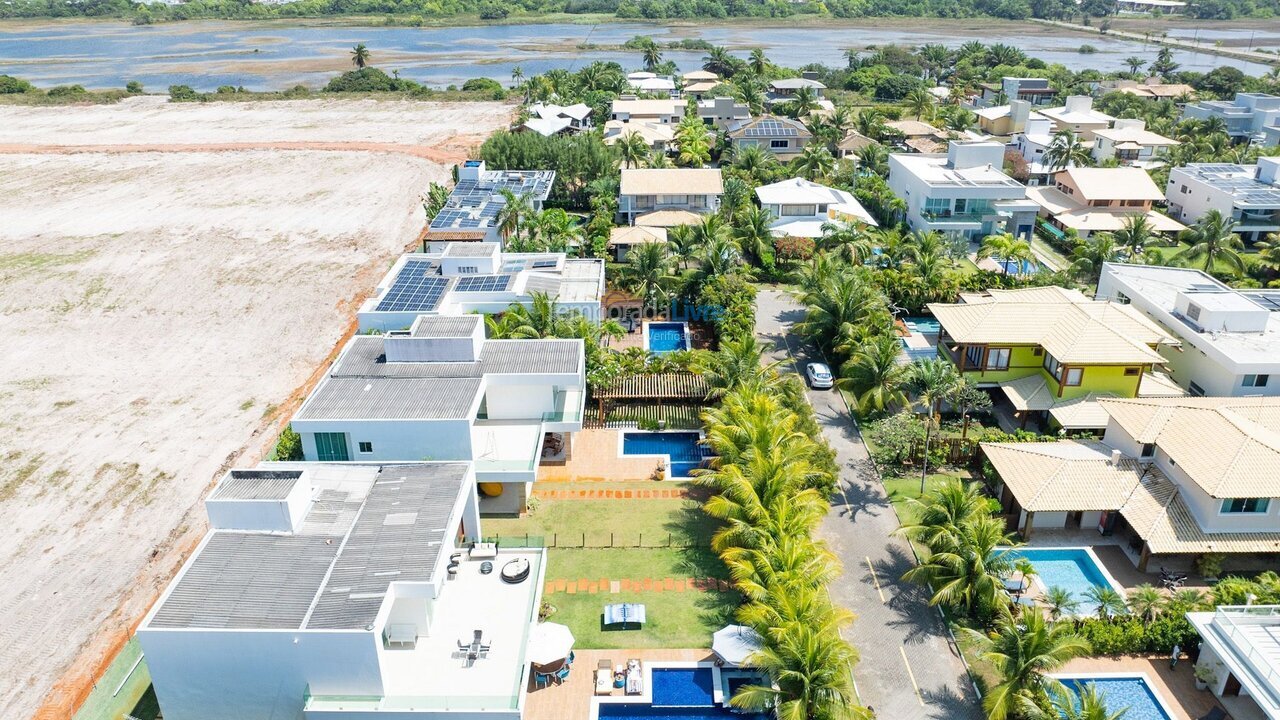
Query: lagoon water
[280, 54]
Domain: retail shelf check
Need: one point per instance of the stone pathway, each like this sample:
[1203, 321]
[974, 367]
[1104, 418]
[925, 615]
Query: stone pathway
[608, 585]
[603, 494]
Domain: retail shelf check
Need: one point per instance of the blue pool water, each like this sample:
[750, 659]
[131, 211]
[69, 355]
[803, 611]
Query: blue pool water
[682, 687]
[666, 337]
[922, 324]
[682, 448]
[1132, 693]
[631, 711]
[1012, 267]
[1069, 568]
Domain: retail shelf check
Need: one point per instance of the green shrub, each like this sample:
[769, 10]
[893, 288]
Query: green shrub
[10, 85]
[289, 446]
[366, 79]
[482, 84]
[133, 87]
[1130, 636]
[182, 93]
[64, 91]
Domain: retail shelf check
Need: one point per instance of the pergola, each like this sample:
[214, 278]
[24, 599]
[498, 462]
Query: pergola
[650, 392]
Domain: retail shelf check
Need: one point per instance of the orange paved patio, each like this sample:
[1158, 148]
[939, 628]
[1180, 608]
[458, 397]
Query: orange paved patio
[572, 700]
[1177, 687]
[594, 458]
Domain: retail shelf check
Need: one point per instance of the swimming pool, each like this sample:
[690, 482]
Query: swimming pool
[1013, 267]
[1131, 693]
[665, 337]
[923, 325]
[681, 449]
[1075, 569]
[678, 693]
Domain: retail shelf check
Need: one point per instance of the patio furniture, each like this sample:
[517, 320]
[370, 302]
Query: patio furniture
[541, 680]
[635, 677]
[624, 613]
[549, 644]
[604, 677]
[1216, 714]
[484, 550]
[515, 571]
[401, 634]
[562, 674]
[733, 644]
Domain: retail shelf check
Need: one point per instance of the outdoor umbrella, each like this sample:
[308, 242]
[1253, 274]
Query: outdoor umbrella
[549, 643]
[735, 643]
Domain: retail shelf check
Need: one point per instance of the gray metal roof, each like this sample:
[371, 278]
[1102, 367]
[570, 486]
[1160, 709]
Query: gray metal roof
[445, 326]
[256, 485]
[364, 358]
[396, 538]
[398, 398]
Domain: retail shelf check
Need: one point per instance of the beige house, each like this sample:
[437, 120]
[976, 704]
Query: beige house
[1078, 116]
[699, 83]
[1184, 476]
[649, 190]
[1090, 200]
[656, 135]
[1131, 143]
[782, 136]
[623, 239]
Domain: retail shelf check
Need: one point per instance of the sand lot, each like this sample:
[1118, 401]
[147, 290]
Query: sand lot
[159, 314]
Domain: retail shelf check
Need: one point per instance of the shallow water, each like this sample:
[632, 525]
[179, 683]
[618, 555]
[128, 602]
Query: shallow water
[278, 55]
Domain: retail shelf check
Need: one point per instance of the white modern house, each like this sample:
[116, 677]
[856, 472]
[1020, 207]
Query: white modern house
[1033, 142]
[549, 119]
[1131, 143]
[650, 83]
[1078, 116]
[461, 278]
[802, 207]
[1240, 647]
[344, 591]
[964, 192]
[1185, 475]
[442, 391]
[719, 111]
[1247, 116]
[690, 191]
[1230, 339]
[471, 213]
[1248, 194]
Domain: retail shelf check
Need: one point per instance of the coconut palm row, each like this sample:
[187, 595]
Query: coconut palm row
[765, 488]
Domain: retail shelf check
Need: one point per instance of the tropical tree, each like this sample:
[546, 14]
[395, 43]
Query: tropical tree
[874, 375]
[934, 381]
[848, 240]
[515, 209]
[1135, 64]
[632, 149]
[360, 56]
[944, 512]
[842, 308]
[1089, 255]
[1135, 236]
[1023, 651]
[1059, 601]
[719, 61]
[434, 200]
[968, 574]
[1109, 603]
[738, 363]
[809, 667]
[1146, 602]
[752, 231]
[749, 92]
[1213, 240]
[1065, 151]
[920, 103]
[814, 163]
[756, 162]
[1164, 66]
[803, 102]
[1081, 703]
[651, 54]
[757, 62]
[969, 398]
[1008, 248]
[647, 273]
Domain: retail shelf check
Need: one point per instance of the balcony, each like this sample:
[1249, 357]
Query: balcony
[1266, 220]
[567, 415]
[975, 216]
[506, 450]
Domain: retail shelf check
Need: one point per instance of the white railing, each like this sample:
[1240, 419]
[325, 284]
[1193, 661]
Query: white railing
[1231, 621]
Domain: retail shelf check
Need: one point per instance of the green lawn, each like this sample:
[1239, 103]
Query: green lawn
[1169, 253]
[901, 488]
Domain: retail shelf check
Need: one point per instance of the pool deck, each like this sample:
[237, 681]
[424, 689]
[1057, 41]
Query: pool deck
[1177, 687]
[1118, 560]
[594, 457]
[572, 700]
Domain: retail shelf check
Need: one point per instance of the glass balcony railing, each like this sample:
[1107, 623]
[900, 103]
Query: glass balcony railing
[568, 404]
[367, 703]
[954, 216]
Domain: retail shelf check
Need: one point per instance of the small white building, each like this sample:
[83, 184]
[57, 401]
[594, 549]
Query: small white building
[442, 391]
[1248, 194]
[1033, 142]
[1078, 116]
[964, 192]
[471, 213]
[1230, 339]
[650, 83]
[343, 591]
[1240, 647]
[1130, 142]
[687, 190]
[462, 278]
[801, 207]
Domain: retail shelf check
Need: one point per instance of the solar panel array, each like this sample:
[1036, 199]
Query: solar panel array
[545, 263]
[484, 283]
[770, 127]
[476, 203]
[417, 289]
[1269, 300]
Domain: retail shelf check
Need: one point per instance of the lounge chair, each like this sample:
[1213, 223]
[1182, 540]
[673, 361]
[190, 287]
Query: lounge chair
[604, 677]
[635, 677]
[1217, 714]
[624, 613]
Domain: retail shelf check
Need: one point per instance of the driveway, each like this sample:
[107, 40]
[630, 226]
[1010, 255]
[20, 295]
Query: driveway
[908, 670]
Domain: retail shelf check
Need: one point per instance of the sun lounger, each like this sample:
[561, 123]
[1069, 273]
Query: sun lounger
[624, 613]
[1015, 585]
[635, 677]
[604, 677]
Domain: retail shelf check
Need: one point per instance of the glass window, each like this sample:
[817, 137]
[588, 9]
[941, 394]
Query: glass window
[1245, 505]
[1074, 376]
[644, 201]
[1051, 365]
[1194, 389]
[973, 356]
[960, 204]
[331, 447]
[937, 205]
[1193, 312]
[468, 269]
[998, 359]
[798, 210]
[673, 199]
[366, 446]
[1148, 450]
[1256, 380]
[779, 144]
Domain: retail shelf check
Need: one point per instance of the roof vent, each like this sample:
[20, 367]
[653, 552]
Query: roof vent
[1115, 456]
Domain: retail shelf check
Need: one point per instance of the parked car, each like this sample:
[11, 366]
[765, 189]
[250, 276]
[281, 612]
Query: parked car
[819, 376]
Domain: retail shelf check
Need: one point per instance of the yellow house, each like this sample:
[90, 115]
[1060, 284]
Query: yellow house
[1053, 352]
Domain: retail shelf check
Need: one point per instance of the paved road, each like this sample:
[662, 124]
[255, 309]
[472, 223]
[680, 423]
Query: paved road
[908, 670]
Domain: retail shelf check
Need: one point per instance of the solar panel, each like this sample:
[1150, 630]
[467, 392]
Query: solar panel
[1268, 300]
[417, 289]
[770, 127]
[545, 263]
[484, 283]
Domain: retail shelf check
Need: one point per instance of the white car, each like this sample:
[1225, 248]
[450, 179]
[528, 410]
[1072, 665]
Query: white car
[819, 376]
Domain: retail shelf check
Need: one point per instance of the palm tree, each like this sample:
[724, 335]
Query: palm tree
[1135, 64]
[874, 375]
[1089, 256]
[838, 308]
[736, 364]
[749, 92]
[360, 56]
[810, 671]
[755, 161]
[920, 103]
[1109, 602]
[1213, 240]
[944, 512]
[969, 574]
[870, 123]
[814, 163]
[1023, 651]
[1065, 151]
[1059, 602]
[1009, 249]
[1081, 703]
[803, 102]
[758, 63]
[515, 208]
[754, 235]
[651, 55]
[1164, 66]
[1000, 54]
[1269, 250]
[632, 149]
[1135, 236]
[1146, 602]
[874, 158]
[647, 272]
[517, 76]
[848, 239]
[934, 380]
[719, 61]
[658, 159]
[960, 119]
[434, 200]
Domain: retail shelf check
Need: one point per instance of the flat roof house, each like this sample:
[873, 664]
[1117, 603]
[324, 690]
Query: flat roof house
[783, 90]
[1053, 352]
[1246, 116]
[720, 111]
[1248, 194]
[1229, 339]
[781, 136]
[1240, 645]
[643, 191]
[1090, 200]
[442, 391]
[1035, 91]
[548, 119]
[462, 278]
[1078, 116]
[964, 192]
[1185, 475]
[1005, 119]
[1131, 143]
[330, 590]
[471, 213]
[801, 207]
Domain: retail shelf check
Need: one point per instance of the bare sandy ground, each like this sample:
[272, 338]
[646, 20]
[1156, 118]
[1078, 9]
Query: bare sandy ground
[160, 314]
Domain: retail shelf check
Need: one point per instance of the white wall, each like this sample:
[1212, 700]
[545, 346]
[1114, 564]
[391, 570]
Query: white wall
[402, 440]
[519, 402]
[1208, 510]
[255, 675]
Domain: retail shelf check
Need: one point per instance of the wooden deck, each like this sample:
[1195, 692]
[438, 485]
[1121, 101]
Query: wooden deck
[572, 699]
